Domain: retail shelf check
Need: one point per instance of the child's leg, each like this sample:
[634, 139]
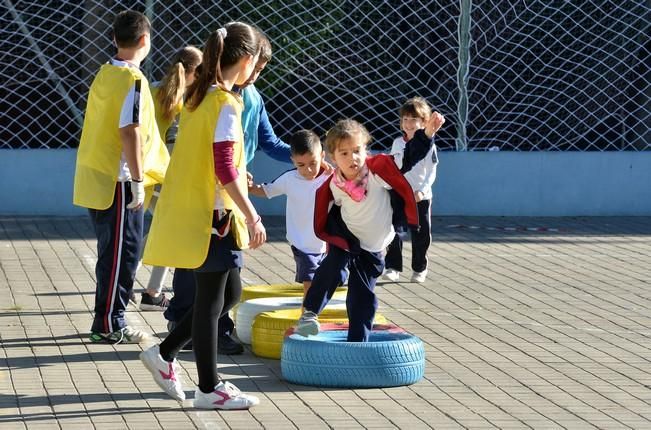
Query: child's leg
[156, 280]
[184, 286]
[210, 300]
[361, 302]
[119, 241]
[327, 278]
[393, 259]
[421, 239]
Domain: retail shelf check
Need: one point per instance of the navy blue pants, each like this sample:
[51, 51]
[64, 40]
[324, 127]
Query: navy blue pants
[119, 243]
[420, 242]
[361, 302]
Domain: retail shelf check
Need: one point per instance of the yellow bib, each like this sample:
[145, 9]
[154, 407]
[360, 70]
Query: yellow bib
[100, 147]
[182, 224]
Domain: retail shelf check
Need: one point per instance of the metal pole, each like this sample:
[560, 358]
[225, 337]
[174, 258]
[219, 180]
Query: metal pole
[462, 73]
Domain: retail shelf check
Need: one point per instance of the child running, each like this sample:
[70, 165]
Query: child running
[413, 115]
[120, 153]
[204, 217]
[358, 227]
[168, 97]
[300, 185]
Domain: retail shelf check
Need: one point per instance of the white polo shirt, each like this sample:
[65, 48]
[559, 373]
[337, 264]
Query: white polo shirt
[299, 213]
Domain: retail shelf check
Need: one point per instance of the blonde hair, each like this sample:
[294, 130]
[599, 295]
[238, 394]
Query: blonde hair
[416, 107]
[172, 87]
[345, 129]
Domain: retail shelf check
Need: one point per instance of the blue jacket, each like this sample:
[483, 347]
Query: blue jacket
[258, 130]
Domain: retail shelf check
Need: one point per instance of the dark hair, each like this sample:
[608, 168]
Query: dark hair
[128, 27]
[265, 48]
[304, 142]
[416, 107]
[345, 129]
[172, 87]
[221, 52]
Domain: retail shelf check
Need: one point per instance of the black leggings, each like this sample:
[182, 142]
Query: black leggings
[216, 294]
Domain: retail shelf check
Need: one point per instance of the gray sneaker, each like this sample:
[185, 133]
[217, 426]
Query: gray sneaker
[308, 324]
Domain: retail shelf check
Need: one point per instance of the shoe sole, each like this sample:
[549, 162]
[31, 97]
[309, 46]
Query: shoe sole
[308, 330]
[152, 369]
[214, 407]
[144, 307]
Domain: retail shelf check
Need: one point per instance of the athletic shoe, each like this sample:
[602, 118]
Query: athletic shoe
[124, 335]
[391, 275]
[308, 324]
[419, 276]
[149, 303]
[225, 396]
[164, 372]
[226, 345]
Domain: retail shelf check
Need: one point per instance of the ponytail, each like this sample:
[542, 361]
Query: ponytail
[172, 87]
[170, 92]
[210, 72]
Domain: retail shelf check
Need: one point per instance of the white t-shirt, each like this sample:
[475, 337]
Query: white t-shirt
[299, 214]
[225, 130]
[421, 177]
[370, 219]
[129, 114]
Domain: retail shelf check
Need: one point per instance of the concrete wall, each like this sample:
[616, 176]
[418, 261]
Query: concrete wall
[39, 182]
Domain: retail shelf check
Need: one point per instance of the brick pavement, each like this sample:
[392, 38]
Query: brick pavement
[523, 329]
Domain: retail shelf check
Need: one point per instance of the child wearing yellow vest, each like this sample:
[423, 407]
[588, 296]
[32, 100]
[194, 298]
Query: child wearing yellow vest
[168, 97]
[204, 217]
[120, 153]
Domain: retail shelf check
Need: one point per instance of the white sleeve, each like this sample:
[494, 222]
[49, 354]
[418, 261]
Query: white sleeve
[130, 113]
[430, 175]
[277, 187]
[398, 151]
[226, 129]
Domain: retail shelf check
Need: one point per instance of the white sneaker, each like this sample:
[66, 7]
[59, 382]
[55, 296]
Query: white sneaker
[308, 324]
[419, 276]
[164, 372]
[225, 396]
[391, 275]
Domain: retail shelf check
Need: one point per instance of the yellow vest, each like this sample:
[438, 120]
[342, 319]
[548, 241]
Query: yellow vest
[100, 147]
[180, 232]
[163, 123]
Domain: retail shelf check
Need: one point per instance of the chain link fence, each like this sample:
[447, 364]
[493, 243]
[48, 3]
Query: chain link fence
[508, 75]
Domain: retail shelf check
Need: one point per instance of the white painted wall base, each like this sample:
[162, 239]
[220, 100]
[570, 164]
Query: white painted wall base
[39, 182]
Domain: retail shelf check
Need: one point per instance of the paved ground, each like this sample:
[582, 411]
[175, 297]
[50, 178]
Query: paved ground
[524, 328]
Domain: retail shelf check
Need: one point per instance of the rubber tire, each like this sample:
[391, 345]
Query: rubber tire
[269, 328]
[247, 311]
[277, 290]
[388, 359]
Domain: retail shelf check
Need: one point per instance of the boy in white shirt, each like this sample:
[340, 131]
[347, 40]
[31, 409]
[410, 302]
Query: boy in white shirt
[413, 116]
[300, 185]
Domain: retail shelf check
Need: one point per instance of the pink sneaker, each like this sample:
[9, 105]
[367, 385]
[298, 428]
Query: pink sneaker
[225, 396]
[163, 371]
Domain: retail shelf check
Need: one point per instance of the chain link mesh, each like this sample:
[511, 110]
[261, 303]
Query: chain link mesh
[541, 75]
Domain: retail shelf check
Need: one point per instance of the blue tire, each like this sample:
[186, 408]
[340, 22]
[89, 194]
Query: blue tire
[327, 360]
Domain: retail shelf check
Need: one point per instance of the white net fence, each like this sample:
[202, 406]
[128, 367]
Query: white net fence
[509, 75]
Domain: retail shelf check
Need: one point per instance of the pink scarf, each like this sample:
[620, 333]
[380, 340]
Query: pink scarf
[355, 188]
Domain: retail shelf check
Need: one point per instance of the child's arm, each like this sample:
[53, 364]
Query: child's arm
[418, 147]
[132, 147]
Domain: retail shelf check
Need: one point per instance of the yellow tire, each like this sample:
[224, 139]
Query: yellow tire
[277, 290]
[269, 328]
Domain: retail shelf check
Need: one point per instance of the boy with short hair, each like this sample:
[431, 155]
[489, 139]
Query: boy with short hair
[300, 185]
[413, 116]
[120, 153]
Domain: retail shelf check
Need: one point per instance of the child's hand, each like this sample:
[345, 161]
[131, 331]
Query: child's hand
[257, 233]
[327, 167]
[434, 124]
[418, 195]
[249, 179]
